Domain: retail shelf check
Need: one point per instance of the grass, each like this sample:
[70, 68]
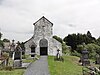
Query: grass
[68, 67]
[16, 71]
[13, 72]
[28, 60]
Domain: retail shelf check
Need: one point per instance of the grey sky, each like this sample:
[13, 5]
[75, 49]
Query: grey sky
[68, 16]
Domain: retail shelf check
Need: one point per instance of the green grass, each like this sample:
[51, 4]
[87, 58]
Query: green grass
[28, 60]
[13, 72]
[68, 67]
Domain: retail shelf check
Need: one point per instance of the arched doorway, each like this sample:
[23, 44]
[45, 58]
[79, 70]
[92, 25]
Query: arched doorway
[43, 47]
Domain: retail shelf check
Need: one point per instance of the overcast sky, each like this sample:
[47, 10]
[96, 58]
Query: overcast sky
[68, 16]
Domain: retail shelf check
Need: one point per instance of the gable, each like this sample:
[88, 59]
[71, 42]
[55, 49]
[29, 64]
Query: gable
[43, 19]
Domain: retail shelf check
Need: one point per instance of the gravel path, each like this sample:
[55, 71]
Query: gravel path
[39, 67]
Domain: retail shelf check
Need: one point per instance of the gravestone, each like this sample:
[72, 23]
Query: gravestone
[12, 48]
[85, 57]
[58, 57]
[58, 54]
[17, 57]
[97, 59]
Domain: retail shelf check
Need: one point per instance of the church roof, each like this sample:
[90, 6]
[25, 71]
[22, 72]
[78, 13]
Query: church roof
[43, 18]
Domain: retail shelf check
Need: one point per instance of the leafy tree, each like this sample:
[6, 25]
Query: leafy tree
[6, 40]
[22, 46]
[98, 41]
[0, 35]
[93, 49]
[76, 39]
[65, 49]
[58, 39]
[92, 39]
[71, 40]
[1, 43]
[89, 34]
[79, 48]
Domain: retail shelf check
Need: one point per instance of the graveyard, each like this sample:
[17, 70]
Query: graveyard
[70, 66]
[43, 53]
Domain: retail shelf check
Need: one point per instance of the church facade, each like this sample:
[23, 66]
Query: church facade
[42, 42]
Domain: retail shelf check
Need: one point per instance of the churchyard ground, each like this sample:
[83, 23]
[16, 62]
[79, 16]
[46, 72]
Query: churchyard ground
[11, 71]
[70, 66]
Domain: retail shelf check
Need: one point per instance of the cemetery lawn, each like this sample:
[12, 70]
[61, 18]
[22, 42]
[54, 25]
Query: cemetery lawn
[70, 66]
[13, 72]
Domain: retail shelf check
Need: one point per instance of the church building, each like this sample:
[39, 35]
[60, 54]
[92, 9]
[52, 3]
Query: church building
[42, 41]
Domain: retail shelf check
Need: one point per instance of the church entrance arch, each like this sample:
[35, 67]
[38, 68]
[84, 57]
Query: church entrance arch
[43, 47]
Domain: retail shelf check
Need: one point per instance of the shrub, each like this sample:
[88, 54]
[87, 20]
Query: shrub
[10, 68]
[93, 50]
[75, 53]
[65, 49]
[6, 55]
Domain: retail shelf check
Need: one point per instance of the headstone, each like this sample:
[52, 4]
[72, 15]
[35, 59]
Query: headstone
[58, 54]
[85, 58]
[17, 57]
[12, 48]
[97, 59]
[17, 63]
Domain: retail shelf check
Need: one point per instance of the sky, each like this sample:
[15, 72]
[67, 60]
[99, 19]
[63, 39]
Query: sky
[68, 16]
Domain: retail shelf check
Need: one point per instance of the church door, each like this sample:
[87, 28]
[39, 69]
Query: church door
[43, 47]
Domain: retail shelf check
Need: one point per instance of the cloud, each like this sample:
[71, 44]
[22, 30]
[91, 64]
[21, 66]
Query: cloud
[68, 16]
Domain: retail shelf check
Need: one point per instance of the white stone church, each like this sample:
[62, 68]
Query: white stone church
[42, 42]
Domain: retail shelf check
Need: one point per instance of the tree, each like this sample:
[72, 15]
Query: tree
[98, 41]
[93, 49]
[79, 48]
[89, 34]
[6, 40]
[0, 35]
[65, 49]
[77, 39]
[71, 40]
[1, 43]
[58, 39]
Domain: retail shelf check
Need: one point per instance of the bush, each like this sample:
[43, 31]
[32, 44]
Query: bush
[79, 48]
[66, 49]
[9, 68]
[93, 50]
[75, 53]
[6, 55]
